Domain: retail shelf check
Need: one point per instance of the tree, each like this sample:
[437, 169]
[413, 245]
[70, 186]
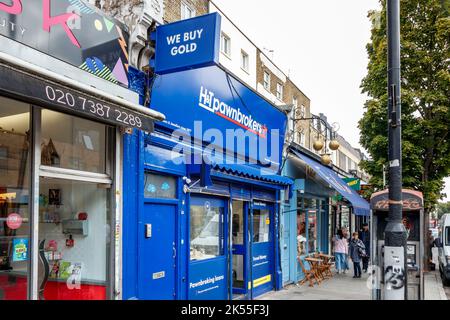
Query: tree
[442, 208]
[425, 58]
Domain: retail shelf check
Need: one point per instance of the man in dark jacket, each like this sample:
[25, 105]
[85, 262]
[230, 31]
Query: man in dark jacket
[364, 236]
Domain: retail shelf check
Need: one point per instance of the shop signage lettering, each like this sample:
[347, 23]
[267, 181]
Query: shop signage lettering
[184, 44]
[209, 280]
[14, 221]
[20, 250]
[208, 101]
[187, 44]
[72, 31]
[53, 95]
[48, 21]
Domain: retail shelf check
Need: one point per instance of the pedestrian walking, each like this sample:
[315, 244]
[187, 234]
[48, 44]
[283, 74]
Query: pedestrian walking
[340, 251]
[364, 236]
[356, 251]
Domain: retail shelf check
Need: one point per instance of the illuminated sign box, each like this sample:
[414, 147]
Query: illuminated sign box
[187, 44]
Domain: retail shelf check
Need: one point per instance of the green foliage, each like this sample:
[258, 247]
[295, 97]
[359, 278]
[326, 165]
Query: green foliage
[442, 208]
[425, 58]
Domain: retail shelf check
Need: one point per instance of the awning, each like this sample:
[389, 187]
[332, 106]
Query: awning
[251, 172]
[361, 207]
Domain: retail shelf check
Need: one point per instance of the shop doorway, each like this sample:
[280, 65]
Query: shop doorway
[157, 239]
[157, 252]
[240, 240]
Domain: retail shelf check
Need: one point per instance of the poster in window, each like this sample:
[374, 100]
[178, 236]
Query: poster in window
[20, 249]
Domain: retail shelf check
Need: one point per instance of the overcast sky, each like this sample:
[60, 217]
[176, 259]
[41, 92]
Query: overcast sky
[321, 44]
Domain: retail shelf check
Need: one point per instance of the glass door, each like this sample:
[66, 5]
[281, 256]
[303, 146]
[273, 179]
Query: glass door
[74, 208]
[239, 238]
[14, 199]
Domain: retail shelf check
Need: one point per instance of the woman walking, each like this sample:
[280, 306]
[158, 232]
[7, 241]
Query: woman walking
[340, 251]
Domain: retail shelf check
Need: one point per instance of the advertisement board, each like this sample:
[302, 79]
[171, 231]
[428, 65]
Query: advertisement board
[70, 30]
[187, 44]
[212, 106]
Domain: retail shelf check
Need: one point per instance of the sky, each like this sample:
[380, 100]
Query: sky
[321, 45]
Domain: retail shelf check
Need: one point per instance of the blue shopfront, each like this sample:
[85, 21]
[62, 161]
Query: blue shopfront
[306, 222]
[203, 190]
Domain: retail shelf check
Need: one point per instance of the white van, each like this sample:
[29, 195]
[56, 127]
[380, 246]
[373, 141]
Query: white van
[443, 243]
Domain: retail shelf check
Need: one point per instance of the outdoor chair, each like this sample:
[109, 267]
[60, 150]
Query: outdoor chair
[310, 274]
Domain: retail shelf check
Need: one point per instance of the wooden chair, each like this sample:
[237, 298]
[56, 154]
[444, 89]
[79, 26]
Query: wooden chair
[322, 267]
[309, 273]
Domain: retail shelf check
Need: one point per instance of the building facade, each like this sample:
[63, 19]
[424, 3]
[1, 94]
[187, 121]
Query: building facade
[63, 116]
[302, 217]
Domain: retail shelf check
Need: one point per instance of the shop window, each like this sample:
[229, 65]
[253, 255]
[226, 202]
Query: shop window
[301, 234]
[312, 231]
[73, 143]
[206, 228]
[74, 225]
[14, 197]
[261, 224]
[238, 222]
[160, 187]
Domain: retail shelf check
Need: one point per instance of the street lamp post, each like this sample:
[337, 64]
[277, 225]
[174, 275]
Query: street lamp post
[395, 281]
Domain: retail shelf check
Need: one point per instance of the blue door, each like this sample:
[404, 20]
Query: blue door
[157, 252]
[262, 250]
[240, 236]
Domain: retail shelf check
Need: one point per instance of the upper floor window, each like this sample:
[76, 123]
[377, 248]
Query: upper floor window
[279, 91]
[244, 61]
[187, 12]
[267, 80]
[225, 44]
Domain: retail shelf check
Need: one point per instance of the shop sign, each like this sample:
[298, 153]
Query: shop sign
[188, 44]
[20, 250]
[353, 183]
[72, 31]
[14, 221]
[210, 105]
[50, 94]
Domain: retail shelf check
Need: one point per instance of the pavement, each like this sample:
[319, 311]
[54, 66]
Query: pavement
[434, 289]
[339, 287]
[345, 287]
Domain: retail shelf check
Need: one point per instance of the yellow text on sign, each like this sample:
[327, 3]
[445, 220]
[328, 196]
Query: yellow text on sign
[260, 281]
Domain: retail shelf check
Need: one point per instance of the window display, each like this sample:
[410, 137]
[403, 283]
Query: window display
[75, 232]
[206, 221]
[312, 231]
[14, 199]
[72, 143]
[301, 234]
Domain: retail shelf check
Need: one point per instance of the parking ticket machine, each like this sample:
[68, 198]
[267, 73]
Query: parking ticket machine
[413, 220]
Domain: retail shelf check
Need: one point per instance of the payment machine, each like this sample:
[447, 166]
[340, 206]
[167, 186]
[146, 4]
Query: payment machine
[413, 220]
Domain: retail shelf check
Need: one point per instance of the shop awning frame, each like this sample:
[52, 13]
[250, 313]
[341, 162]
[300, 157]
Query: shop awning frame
[360, 206]
[247, 171]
